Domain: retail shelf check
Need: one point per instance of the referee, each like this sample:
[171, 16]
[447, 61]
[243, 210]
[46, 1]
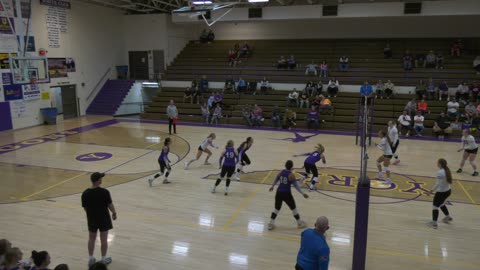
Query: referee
[314, 253]
[97, 201]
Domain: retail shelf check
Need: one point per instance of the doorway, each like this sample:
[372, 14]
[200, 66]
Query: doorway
[65, 100]
[138, 62]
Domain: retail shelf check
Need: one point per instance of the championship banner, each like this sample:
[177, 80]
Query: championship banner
[30, 92]
[55, 3]
[6, 25]
[6, 78]
[5, 60]
[13, 92]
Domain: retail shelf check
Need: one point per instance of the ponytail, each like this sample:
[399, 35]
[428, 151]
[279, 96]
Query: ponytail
[39, 257]
[443, 164]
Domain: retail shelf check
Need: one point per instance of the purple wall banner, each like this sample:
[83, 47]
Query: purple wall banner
[6, 25]
[7, 78]
[96, 156]
[13, 92]
[55, 3]
[6, 119]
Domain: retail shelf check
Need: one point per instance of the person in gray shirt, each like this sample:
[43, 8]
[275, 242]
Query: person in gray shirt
[172, 114]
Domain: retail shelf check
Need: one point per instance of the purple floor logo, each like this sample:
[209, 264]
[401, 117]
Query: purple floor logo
[96, 156]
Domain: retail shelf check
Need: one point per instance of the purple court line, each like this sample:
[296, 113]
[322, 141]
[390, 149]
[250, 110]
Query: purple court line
[328, 132]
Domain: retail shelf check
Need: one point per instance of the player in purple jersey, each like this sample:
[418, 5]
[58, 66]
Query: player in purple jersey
[229, 157]
[310, 166]
[284, 194]
[243, 159]
[164, 163]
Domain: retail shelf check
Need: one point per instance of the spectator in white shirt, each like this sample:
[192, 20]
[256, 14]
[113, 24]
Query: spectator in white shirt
[470, 111]
[333, 87]
[292, 63]
[311, 68]
[405, 123]
[452, 110]
[462, 93]
[430, 60]
[379, 89]
[344, 63]
[389, 89]
[282, 62]
[264, 86]
[293, 98]
[418, 123]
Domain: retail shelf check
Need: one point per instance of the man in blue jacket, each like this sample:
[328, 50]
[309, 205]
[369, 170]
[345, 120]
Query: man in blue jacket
[314, 252]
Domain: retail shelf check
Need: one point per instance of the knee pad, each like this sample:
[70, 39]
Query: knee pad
[276, 211]
[295, 211]
[386, 168]
[435, 207]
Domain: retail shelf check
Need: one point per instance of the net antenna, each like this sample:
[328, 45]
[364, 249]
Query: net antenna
[201, 7]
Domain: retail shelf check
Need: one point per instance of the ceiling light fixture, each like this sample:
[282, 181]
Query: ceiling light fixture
[258, 1]
[202, 2]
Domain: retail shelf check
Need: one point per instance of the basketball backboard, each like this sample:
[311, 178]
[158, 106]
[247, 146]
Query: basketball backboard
[202, 7]
[29, 70]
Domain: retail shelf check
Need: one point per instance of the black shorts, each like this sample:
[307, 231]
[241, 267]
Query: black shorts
[440, 198]
[388, 156]
[472, 151]
[227, 170]
[286, 197]
[395, 146]
[102, 225]
[163, 165]
[311, 168]
[200, 148]
[245, 159]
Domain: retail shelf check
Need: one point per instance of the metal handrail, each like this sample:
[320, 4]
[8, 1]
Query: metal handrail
[98, 83]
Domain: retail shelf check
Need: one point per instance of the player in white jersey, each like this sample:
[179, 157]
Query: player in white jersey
[393, 135]
[470, 148]
[385, 146]
[203, 148]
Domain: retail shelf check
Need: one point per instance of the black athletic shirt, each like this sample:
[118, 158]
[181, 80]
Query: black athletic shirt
[96, 202]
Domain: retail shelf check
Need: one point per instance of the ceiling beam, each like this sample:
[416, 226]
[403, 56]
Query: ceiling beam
[109, 4]
[145, 5]
[167, 3]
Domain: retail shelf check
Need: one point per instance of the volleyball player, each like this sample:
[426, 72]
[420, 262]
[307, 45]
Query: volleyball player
[310, 166]
[470, 151]
[284, 194]
[243, 159]
[442, 191]
[229, 157]
[164, 163]
[203, 148]
[393, 135]
[385, 146]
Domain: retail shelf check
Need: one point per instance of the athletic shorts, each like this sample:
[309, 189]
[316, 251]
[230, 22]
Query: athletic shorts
[395, 146]
[472, 151]
[200, 148]
[286, 197]
[163, 165]
[245, 159]
[388, 156]
[311, 168]
[102, 225]
[440, 198]
[227, 170]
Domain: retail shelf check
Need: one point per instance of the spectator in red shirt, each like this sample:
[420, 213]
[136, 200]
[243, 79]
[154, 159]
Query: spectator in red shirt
[232, 58]
[422, 107]
[456, 48]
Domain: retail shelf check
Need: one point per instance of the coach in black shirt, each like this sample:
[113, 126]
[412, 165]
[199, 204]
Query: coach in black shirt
[97, 201]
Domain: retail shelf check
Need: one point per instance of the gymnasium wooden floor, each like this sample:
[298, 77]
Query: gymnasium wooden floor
[184, 226]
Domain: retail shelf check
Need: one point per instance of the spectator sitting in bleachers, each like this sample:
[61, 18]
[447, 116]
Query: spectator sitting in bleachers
[316, 101]
[462, 94]
[232, 58]
[210, 36]
[379, 89]
[188, 94]
[194, 84]
[344, 63]
[304, 99]
[453, 109]
[443, 90]
[442, 126]
[387, 52]
[422, 107]
[418, 121]
[439, 61]
[456, 48]
[319, 87]
[275, 118]
[366, 92]
[311, 68]
[241, 86]
[411, 108]
[292, 98]
[431, 89]
[264, 86]
[244, 50]
[218, 99]
[205, 113]
[476, 64]
[323, 69]
[290, 118]
[203, 86]
[247, 114]
[291, 62]
[310, 89]
[407, 61]
[405, 122]
[420, 59]
[470, 111]
[217, 114]
[325, 104]
[229, 85]
[257, 115]
[389, 89]
[333, 87]
[282, 63]
[420, 89]
[430, 60]
[210, 100]
[312, 118]
[204, 36]
[41, 260]
[4, 246]
[474, 91]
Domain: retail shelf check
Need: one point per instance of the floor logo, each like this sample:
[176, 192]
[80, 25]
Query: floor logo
[96, 156]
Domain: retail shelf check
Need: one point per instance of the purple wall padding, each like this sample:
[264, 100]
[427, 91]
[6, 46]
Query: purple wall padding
[5, 116]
